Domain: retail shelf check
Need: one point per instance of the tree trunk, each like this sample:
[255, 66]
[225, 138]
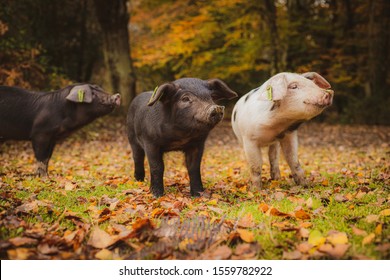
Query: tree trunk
[296, 53]
[113, 18]
[268, 9]
[83, 38]
[378, 47]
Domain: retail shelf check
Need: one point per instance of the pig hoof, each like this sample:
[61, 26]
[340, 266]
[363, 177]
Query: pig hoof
[196, 193]
[157, 193]
[301, 182]
[41, 173]
[139, 178]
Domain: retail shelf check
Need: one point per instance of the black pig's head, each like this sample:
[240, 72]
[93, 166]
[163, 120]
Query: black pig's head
[190, 102]
[96, 102]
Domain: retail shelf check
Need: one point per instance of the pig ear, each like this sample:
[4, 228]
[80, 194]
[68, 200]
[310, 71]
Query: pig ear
[80, 94]
[220, 90]
[317, 79]
[162, 92]
[275, 88]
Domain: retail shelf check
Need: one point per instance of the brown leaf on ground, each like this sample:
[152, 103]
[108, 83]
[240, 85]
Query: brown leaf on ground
[22, 241]
[294, 255]
[340, 198]
[383, 248]
[246, 250]
[32, 206]
[358, 231]
[246, 221]
[337, 251]
[304, 247]
[100, 239]
[372, 218]
[220, 253]
[20, 253]
[304, 232]
[141, 227]
[46, 249]
[279, 195]
[275, 212]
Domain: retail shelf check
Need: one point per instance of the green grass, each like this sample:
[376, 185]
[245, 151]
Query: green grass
[91, 184]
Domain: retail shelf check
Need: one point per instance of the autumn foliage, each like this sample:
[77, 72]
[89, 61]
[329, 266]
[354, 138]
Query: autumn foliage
[242, 42]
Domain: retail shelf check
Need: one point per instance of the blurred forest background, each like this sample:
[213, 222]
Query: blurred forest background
[132, 46]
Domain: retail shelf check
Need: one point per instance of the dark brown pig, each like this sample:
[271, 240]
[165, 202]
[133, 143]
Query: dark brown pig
[45, 117]
[178, 116]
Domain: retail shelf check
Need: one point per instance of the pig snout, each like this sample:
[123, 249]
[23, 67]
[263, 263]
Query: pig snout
[116, 99]
[328, 97]
[322, 99]
[215, 113]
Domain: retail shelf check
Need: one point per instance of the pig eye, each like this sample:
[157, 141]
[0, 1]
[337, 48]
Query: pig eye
[293, 86]
[185, 99]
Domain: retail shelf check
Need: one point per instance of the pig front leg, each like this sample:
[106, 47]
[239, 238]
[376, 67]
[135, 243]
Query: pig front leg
[43, 147]
[255, 161]
[273, 155]
[290, 150]
[139, 159]
[193, 157]
[156, 164]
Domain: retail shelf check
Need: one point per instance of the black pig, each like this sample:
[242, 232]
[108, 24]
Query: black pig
[45, 117]
[178, 116]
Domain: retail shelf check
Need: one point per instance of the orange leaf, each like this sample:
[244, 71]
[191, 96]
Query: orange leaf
[338, 238]
[305, 224]
[275, 212]
[378, 229]
[301, 214]
[246, 235]
[368, 239]
[385, 212]
[263, 207]
[157, 212]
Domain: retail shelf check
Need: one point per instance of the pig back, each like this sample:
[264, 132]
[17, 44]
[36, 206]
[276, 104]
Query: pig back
[18, 109]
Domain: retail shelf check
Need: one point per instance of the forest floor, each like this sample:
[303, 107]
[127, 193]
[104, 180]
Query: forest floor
[91, 208]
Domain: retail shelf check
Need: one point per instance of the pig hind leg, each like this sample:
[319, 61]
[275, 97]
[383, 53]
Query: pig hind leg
[290, 150]
[273, 155]
[255, 161]
[139, 159]
[43, 147]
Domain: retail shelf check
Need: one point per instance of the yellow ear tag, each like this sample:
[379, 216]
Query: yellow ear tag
[154, 93]
[80, 94]
[269, 93]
